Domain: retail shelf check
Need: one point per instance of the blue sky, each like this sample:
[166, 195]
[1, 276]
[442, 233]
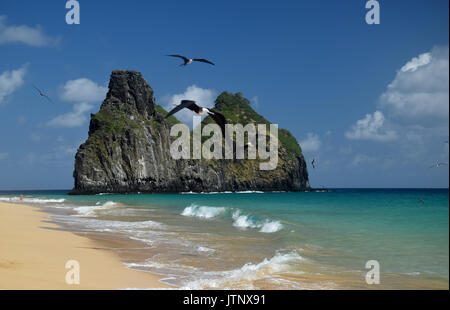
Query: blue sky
[369, 102]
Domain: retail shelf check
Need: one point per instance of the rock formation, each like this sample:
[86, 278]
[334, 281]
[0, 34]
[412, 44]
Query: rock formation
[128, 149]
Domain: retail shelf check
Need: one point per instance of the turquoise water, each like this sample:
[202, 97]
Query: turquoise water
[274, 240]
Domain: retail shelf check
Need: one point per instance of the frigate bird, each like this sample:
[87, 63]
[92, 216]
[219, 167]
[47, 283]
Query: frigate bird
[437, 165]
[188, 61]
[191, 105]
[313, 163]
[42, 94]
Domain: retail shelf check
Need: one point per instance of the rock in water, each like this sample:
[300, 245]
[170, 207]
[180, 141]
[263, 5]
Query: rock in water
[128, 149]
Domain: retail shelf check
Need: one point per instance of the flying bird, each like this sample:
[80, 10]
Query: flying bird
[191, 105]
[313, 163]
[188, 61]
[437, 165]
[42, 94]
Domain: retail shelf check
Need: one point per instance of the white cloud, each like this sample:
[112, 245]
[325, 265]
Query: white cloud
[203, 97]
[419, 94]
[416, 62]
[10, 81]
[311, 144]
[413, 111]
[372, 127]
[72, 119]
[25, 34]
[83, 90]
[416, 99]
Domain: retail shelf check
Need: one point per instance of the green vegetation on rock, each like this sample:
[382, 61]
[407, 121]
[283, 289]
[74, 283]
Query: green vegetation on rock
[237, 109]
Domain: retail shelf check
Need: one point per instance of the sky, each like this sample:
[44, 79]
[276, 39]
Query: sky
[368, 102]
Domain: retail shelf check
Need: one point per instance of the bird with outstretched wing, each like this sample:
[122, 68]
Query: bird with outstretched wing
[42, 94]
[192, 105]
[187, 61]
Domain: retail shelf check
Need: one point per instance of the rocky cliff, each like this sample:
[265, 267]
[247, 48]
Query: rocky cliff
[128, 149]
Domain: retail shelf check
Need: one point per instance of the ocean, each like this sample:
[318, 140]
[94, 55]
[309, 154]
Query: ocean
[252, 240]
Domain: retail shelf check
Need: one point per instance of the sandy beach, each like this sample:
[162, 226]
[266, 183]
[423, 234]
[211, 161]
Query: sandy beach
[34, 253]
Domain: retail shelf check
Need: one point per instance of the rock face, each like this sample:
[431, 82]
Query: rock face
[128, 149]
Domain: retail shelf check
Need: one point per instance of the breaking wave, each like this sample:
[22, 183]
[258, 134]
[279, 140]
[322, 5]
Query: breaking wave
[245, 221]
[247, 274]
[202, 211]
[91, 210]
[240, 220]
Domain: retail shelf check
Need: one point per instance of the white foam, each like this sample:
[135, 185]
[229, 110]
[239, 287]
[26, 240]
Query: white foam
[202, 211]
[132, 225]
[92, 210]
[271, 227]
[105, 225]
[247, 274]
[224, 192]
[31, 200]
[245, 221]
[205, 249]
[249, 192]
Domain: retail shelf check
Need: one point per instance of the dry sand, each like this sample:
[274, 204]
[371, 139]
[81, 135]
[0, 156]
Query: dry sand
[33, 255]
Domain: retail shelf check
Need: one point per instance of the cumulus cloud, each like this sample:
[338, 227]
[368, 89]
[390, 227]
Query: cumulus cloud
[419, 94]
[83, 90]
[203, 97]
[413, 110]
[33, 36]
[72, 119]
[417, 62]
[10, 81]
[311, 144]
[414, 105]
[372, 127]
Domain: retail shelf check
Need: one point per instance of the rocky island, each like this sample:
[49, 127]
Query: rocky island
[128, 149]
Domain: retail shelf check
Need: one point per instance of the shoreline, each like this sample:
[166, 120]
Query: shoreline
[34, 253]
[139, 254]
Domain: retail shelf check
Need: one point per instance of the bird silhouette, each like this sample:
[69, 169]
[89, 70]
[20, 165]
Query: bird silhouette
[191, 105]
[188, 61]
[41, 93]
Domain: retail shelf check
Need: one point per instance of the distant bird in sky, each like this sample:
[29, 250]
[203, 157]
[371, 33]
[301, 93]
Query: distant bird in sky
[437, 165]
[42, 93]
[191, 105]
[188, 61]
[313, 163]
